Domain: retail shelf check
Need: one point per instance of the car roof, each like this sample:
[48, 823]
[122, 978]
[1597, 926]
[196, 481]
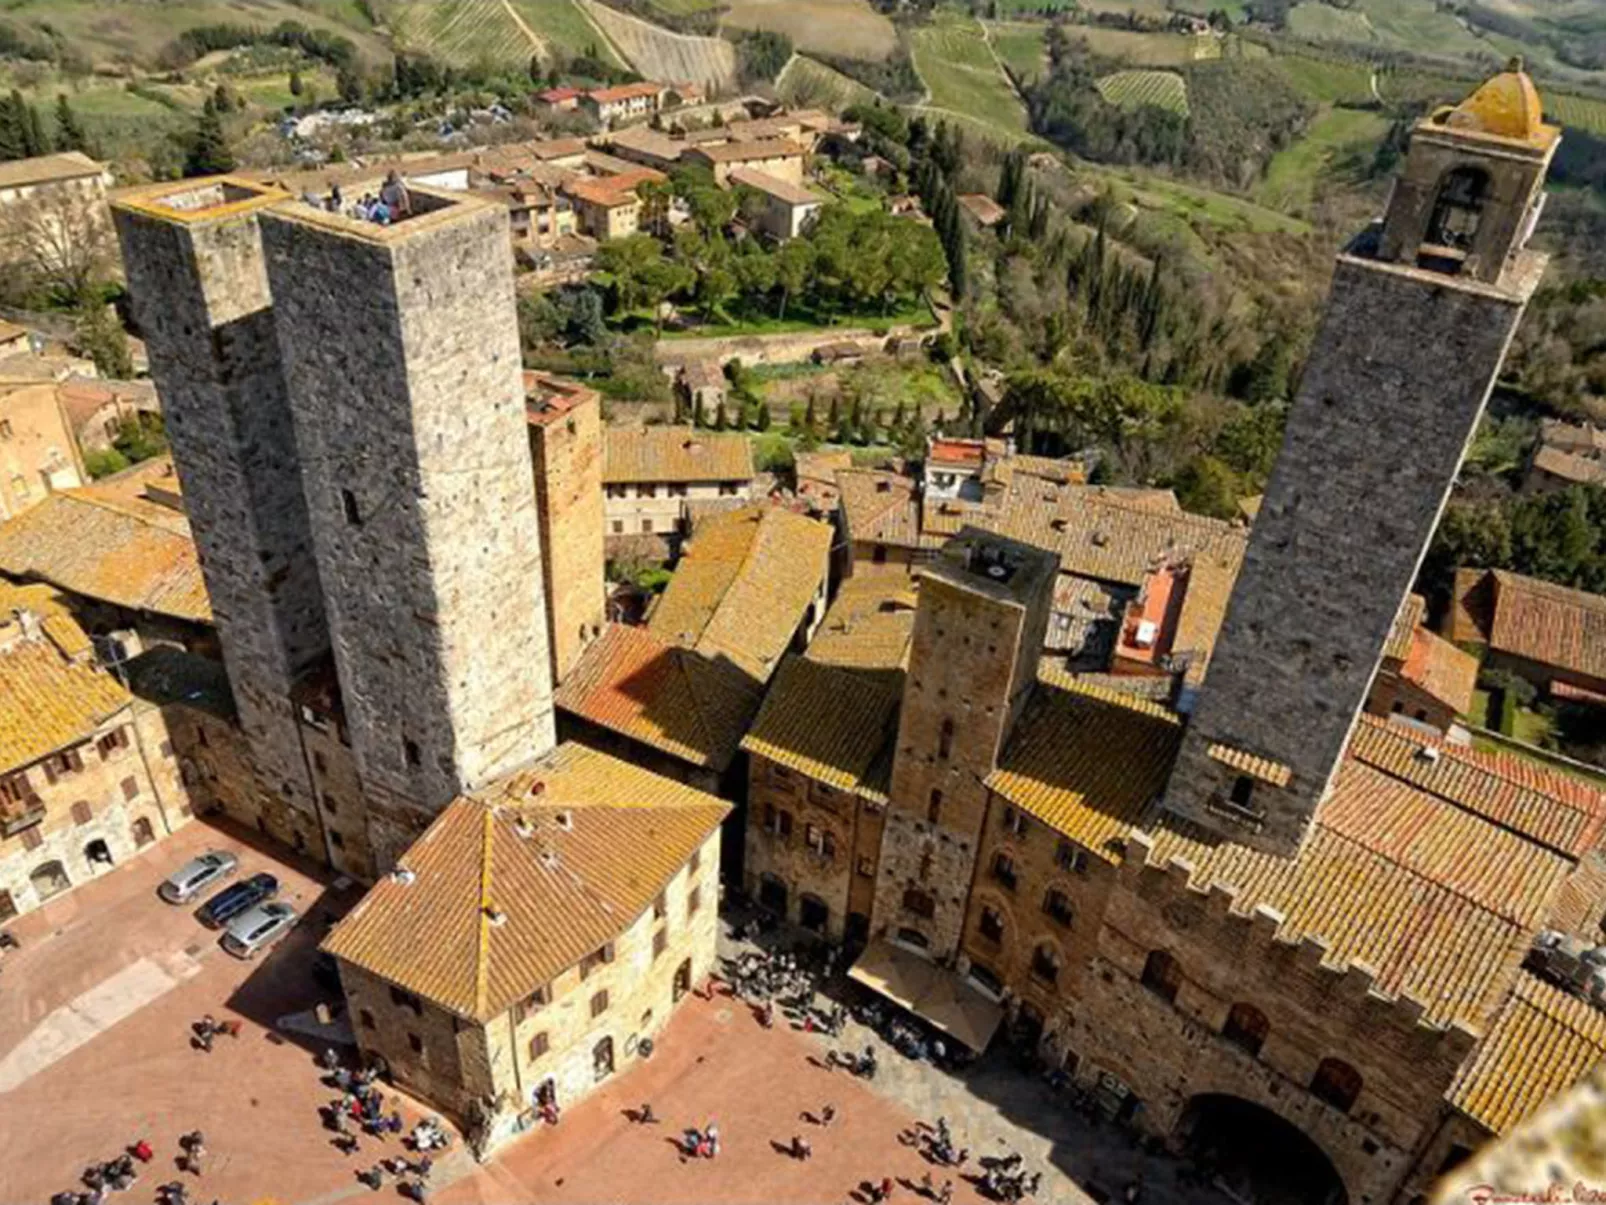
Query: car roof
[252, 917]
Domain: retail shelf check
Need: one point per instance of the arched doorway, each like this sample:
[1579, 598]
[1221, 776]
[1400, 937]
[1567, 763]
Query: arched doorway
[814, 914]
[602, 1059]
[772, 893]
[144, 833]
[1260, 1157]
[97, 853]
[49, 879]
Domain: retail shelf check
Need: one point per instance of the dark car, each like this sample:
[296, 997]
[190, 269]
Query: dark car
[231, 901]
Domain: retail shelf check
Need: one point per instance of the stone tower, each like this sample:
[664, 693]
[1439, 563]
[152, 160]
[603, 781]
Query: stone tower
[983, 611]
[193, 255]
[401, 351]
[565, 421]
[1421, 311]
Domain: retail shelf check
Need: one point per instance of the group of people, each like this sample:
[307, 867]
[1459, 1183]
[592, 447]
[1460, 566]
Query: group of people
[1006, 1180]
[940, 1146]
[362, 1104]
[390, 204]
[122, 1173]
[208, 1028]
[699, 1144]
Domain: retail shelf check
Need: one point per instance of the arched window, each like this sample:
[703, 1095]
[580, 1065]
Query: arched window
[1057, 905]
[1162, 975]
[991, 925]
[1458, 208]
[1336, 1083]
[1045, 965]
[1247, 1027]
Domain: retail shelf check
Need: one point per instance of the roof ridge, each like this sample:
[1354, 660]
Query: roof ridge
[482, 966]
[1523, 988]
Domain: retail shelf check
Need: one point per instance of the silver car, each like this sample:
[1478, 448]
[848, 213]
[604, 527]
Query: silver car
[196, 875]
[252, 932]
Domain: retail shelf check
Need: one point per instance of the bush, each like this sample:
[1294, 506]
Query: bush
[104, 463]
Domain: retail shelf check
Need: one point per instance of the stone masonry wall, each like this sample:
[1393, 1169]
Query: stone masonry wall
[790, 858]
[201, 296]
[401, 350]
[1374, 440]
[567, 454]
[341, 800]
[450, 1069]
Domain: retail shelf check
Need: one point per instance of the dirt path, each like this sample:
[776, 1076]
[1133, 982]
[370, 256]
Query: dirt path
[536, 40]
[987, 37]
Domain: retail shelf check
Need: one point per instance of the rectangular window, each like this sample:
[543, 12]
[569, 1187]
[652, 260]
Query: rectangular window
[694, 900]
[1014, 822]
[618, 527]
[31, 838]
[416, 1042]
[660, 942]
[934, 807]
[696, 862]
[130, 788]
[596, 959]
[599, 1004]
[366, 1017]
[109, 743]
[411, 752]
[336, 839]
[1057, 905]
[348, 504]
[660, 907]
[1068, 856]
[533, 1003]
[1004, 871]
[646, 527]
[318, 762]
[405, 999]
[918, 902]
[81, 813]
[538, 1046]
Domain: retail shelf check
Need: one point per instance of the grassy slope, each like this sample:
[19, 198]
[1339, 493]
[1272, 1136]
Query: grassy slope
[1021, 48]
[959, 70]
[809, 83]
[1291, 180]
[851, 28]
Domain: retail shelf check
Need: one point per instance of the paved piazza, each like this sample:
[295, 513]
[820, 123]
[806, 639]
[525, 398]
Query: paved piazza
[95, 1009]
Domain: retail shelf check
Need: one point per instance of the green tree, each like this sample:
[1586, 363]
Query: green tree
[1206, 486]
[296, 86]
[70, 134]
[209, 153]
[100, 337]
[349, 84]
[793, 265]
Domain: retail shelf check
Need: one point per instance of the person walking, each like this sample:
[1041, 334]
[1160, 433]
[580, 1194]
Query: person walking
[827, 1114]
[644, 1115]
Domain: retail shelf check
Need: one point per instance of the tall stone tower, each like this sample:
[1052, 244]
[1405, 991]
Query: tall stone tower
[1421, 312]
[984, 607]
[193, 255]
[401, 350]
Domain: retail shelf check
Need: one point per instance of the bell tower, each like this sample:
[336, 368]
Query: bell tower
[1422, 308]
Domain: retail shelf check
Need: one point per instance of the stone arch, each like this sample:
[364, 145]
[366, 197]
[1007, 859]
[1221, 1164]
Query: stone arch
[49, 879]
[1262, 1156]
[1460, 197]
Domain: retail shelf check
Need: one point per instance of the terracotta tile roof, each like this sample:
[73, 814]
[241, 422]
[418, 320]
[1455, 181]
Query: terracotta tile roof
[981, 207]
[1555, 810]
[598, 192]
[619, 92]
[869, 625]
[828, 722]
[1211, 577]
[131, 558]
[1570, 466]
[1244, 762]
[51, 692]
[1543, 1041]
[1398, 646]
[743, 584]
[1572, 437]
[745, 152]
[957, 451]
[1437, 667]
[1103, 536]
[567, 870]
[774, 186]
[1471, 607]
[1550, 624]
[675, 454]
[880, 507]
[1087, 761]
[667, 697]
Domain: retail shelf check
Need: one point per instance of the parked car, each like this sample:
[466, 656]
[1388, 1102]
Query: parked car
[252, 932]
[196, 875]
[231, 901]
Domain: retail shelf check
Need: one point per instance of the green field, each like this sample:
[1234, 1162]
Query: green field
[1021, 48]
[1585, 113]
[1147, 49]
[1135, 89]
[1292, 177]
[483, 31]
[963, 77]
[1323, 23]
[809, 84]
[1328, 81]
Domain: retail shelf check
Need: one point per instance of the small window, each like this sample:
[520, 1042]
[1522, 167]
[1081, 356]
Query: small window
[1057, 906]
[403, 999]
[919, 902]
[660, 942]
[1045, 965]
[618, 527]
[866, 867]
[1337, 1084]
[696, 863]
[694, 901]
[539, 1045]
[366, 1017]
[599, 1004]
[411, 751]
[336, 839]
[5, 428]
[879, 555]
[1162, 975]
[934, 807]
[81, 812]
[1246, 1026]
[416, 1042]
[130, 788]
[945, 740]
[646, 527]
[1004, 871]
[348, 503]
[1014, 822]
[533, 1003]
[660, 907]
[1069, 856]
[319, 763]
[991, 926]
[1243, 791]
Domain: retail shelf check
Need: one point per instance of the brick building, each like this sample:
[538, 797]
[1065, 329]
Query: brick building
[568, 909]
[1422, 676]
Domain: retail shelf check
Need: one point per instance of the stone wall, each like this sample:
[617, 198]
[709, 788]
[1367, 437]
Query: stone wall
[567, 455]
[341, 800]
[779, 349]
[1394, 695]
[451, 1066]
[1374, 441]
[790, 858]
[402, 355]
[200, 295]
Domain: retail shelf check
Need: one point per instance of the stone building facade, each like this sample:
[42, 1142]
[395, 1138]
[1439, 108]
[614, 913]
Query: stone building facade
[422, 506]
[983, 609]
[197, 277]
[1382, 420]
[561, 991]
[565, 422]
[38, 451]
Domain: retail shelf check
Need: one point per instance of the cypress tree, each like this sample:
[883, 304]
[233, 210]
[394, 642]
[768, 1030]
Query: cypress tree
[209, 153]
[70, 135]
[13, 130]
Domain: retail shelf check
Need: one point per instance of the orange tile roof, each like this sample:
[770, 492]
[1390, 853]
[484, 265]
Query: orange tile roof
[667, 697]
[1398, 645]
[828, 722]
[869, 624]
[957, 451]
[51, 693]
[618, 92]
[746, 152]
[744, 582]
[132, 558]
[1441, 670]
[1263, 768]
[880, 507]
[1541, 1042]
[567, 870]
[675, 454]
[1549, 624]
